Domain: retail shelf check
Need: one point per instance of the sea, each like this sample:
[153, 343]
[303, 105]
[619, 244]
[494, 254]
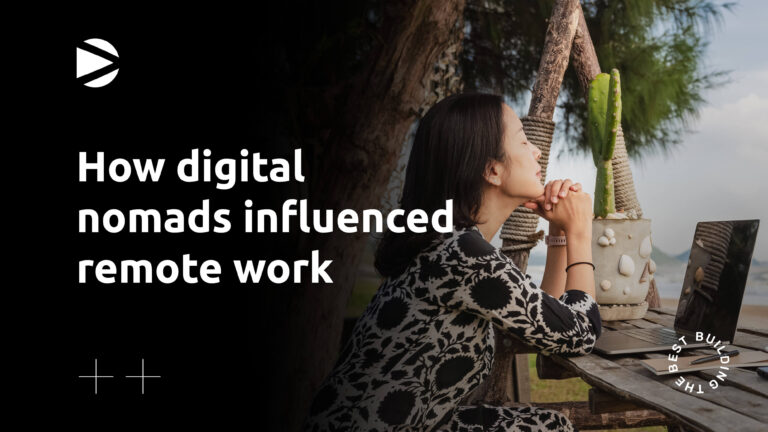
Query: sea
[670, 285]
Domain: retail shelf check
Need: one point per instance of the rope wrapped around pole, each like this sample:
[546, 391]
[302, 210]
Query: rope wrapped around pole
[519, 230]
[623, 184]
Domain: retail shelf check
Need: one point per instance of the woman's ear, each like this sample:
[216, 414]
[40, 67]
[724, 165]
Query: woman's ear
[493, 173]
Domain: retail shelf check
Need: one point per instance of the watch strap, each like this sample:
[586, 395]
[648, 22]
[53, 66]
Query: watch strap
[550, 240]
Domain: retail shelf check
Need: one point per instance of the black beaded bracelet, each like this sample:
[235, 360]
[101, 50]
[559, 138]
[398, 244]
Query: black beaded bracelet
[580, 262]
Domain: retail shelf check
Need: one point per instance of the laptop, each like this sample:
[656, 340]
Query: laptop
[710, 299]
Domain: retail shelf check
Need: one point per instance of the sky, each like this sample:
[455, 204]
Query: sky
[720, 169]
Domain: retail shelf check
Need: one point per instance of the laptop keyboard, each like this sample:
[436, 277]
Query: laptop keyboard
[655, 335]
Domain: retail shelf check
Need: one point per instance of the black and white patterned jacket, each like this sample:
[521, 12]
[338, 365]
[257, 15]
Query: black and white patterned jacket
[426, 338]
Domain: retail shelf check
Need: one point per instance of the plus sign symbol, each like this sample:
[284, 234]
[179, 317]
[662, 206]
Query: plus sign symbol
[96, 377]
[142, 376]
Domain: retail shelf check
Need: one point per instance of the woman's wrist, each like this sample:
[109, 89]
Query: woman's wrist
[555, 230]
[584, 233]
[556, 236]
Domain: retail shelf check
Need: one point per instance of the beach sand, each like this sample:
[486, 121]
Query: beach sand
[753, 316]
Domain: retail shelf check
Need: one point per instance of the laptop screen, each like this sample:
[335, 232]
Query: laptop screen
[713, 286]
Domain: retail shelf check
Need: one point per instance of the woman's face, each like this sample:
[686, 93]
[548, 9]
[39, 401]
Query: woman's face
[518, 176]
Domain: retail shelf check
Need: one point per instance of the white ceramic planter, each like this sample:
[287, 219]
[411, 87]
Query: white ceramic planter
[621, 252]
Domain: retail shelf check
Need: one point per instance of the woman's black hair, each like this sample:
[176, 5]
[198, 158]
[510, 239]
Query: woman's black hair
[454, 142]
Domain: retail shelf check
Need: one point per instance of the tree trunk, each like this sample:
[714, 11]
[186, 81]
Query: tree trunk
[509, 372]
[554, 60]
[359, 155]
[584, 57]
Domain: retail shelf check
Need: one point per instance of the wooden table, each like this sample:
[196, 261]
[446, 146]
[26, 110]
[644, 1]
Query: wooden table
[635, 396]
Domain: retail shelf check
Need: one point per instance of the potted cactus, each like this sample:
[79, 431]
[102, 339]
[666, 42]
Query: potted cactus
[621, 240]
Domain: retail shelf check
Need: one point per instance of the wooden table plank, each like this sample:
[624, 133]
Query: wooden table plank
[692, 411]
[741, 401]
[751, 341]
[725, 395]
[743, 378]
[754, 330]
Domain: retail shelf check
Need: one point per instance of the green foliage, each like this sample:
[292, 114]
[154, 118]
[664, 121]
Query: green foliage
[657, 44]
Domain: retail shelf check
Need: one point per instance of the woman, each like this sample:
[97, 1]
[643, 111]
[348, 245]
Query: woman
[426, 339]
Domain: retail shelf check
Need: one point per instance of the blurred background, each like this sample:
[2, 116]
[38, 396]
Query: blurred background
[704, 162]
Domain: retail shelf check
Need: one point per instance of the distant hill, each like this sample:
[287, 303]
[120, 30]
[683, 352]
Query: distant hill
[663, 259]
[683, 257]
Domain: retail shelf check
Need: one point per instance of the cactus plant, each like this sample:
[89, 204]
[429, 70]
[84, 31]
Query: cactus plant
[604, 118]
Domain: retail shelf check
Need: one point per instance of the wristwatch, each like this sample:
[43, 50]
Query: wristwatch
[554, 240]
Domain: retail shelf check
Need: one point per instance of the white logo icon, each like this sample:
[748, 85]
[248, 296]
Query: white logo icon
[97, 63]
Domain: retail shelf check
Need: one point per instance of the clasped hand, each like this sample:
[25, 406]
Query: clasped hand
[554, 190]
